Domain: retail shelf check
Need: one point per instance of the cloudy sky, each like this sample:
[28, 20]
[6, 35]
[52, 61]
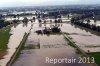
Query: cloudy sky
[9, 3]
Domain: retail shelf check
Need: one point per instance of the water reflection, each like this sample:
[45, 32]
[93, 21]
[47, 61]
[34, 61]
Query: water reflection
[40, 24]
[24, 24]
[53, 46]
[87, 30]
[15, 25]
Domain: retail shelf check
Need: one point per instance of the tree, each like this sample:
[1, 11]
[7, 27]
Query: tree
[25, 20]
[34, 19]
[88, 21]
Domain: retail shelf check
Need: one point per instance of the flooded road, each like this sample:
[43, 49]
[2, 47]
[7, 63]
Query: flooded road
[53, 46]
[17, 32]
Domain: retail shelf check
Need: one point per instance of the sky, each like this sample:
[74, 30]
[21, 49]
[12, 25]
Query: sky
[15, 3]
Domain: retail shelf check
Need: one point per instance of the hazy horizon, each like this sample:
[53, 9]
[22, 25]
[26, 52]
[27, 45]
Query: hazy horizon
[17, 3]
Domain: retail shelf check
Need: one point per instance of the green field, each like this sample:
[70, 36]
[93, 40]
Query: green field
[96, 56]
[4, 38]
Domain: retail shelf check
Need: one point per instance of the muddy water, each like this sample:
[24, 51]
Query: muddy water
[37, 57]
[53, 46]
[97, 23]
[85, 38]
[20, 18]
[17, 32]
[50, 45]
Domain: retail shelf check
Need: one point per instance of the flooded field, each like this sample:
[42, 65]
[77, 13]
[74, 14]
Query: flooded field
[97, 23]
[17, 32]
[38, 47]
[86, 39]
[53, 46]
[20, 18]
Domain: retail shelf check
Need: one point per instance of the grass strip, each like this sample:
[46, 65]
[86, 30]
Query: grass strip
[4, 38]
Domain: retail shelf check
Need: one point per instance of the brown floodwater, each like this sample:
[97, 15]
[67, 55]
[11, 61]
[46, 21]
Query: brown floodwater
[84, 38]
[97, 23]
[53, 46]
[20, 18]
[17, 32]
